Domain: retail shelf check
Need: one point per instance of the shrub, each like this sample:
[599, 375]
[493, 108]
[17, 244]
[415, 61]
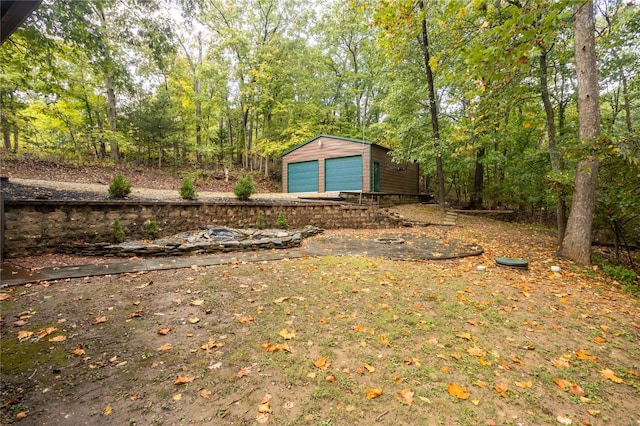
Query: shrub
[151, 227]
[119, 187]
[281, 222]
[117, 231]
[244, 188]
[620, 274]
[188, 190]
[260, 222]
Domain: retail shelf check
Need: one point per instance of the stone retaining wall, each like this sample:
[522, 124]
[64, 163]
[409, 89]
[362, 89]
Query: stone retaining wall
[41, 226]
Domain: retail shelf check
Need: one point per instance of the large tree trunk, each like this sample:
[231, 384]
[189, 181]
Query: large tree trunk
[476, 200]
[433, 109]
[554, 154]
[577, 240]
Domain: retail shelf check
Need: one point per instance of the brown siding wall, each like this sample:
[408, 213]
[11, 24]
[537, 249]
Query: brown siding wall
[403, 178]
[329, 148]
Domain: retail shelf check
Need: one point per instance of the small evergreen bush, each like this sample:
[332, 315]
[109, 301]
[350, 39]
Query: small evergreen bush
[260, 222]
[119, 187]
[244, 188]
[118, 232]
[281, 222]
[188, 190]
[151, 227]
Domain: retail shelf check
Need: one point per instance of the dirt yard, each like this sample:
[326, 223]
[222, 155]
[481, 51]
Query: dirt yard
[331, 340]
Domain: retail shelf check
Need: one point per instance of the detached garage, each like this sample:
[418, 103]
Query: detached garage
[333, 164]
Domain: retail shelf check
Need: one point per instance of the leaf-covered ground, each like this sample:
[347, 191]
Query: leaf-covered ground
[331, 341]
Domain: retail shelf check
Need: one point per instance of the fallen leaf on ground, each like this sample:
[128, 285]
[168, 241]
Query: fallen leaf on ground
[584, 354]
[245, 319]
[21, 415]
[560, 363]
[373, 393]
[24, 335]
[107, 410]
[476, 351]
[466, 336]
[58, 339]
[501, 389]
[194, 320]
[562, 383]
[136, 314]
[322, 363]
[183, 379]
[4, 296]
[270, 347]
[79, 351]
[177, 397]
[594, 412]
[165, 347]
[609, 374]
[458, 391]
[164, 331]
[330, 378]
[243, 372]
[480, 384]
[46, 331]
[204, 393]
[199, 302]
[286, 334]
[575, 389]
[405, 396]
[100, 320]
[524, 385]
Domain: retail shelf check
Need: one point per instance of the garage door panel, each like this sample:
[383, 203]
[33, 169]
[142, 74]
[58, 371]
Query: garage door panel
[302, 177]
[343, 174]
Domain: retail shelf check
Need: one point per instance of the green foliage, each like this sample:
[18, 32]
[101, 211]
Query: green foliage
[151, 227]
[620, 274]
[244, 188]
[117, 231]
[261, 223]
[281, 222]
[119, 187]
[188, 190]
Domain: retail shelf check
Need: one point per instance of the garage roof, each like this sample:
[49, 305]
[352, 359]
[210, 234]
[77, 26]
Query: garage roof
[360, 141]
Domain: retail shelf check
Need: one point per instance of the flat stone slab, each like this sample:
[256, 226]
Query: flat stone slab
[414, 247]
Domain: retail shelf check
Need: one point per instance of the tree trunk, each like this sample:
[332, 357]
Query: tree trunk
[554, 154]
[113, 125]
[476, 200]
[198, 90]
[6, 136]
[433, 109]
[577, 240]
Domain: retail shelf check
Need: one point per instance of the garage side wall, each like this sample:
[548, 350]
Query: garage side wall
[323, 148]
[396, 178]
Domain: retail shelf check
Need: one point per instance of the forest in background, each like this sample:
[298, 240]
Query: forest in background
[482, 94]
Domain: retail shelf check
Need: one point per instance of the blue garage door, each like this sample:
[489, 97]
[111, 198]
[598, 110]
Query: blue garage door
[302, 177]
[343, 174]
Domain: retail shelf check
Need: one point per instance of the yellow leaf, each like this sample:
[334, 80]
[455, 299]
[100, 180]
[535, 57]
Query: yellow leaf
[322, 363]
[476, 351]
[458, 391]
[594, 412]
[24, 335]
[524, 385]
[575, 389]
[199, 302]
[481, 384]
[405, 396]
[245, 319]
[194, 320]
[560, 363]
[374, 393]
[5, 296]
[609, 374]
[562, 383]
[369, 368]
[484, 362]
[107, 410]
[501, 389]
[264, 408]
[47, 331]
[584, 354]
[466, 336]
[165, 347]
[79, 351]
[287, 335]
[58, 339]
[21, 415]
[183, 379]
[177, 397]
